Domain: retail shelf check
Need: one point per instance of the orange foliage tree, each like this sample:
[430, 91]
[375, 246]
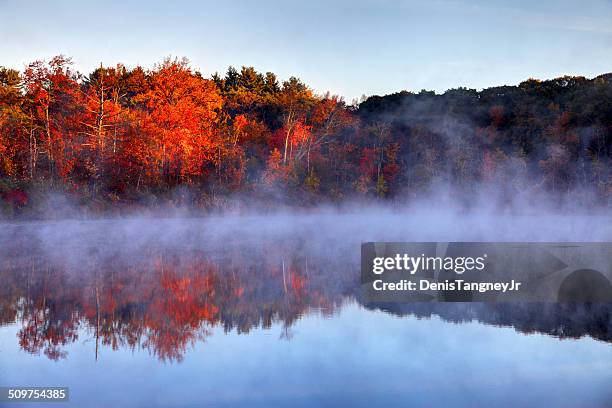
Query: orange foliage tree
[53, 92]
[179, 122]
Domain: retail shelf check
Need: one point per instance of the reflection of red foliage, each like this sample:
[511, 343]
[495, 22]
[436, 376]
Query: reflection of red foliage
[176, 315]
[40, 333]
[238, 292]
[163, 304]
[298, 283]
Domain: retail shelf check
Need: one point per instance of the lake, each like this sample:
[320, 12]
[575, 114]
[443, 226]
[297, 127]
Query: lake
[265, 310]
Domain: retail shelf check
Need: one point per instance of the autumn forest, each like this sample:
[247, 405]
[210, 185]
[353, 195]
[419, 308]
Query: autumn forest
[122, 137]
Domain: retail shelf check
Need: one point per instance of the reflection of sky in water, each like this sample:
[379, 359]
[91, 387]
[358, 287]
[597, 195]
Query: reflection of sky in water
[356, 358]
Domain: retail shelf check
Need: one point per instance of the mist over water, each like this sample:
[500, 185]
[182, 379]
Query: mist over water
[325, 229]
[144, 302]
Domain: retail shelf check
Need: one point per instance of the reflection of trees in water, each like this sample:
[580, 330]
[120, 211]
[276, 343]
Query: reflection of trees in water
[562, 320]
[165, 300]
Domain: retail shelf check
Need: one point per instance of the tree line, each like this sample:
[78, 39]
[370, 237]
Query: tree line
[136, 135]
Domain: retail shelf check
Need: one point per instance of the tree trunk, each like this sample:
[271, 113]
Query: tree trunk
[289, 126]
[48, 131]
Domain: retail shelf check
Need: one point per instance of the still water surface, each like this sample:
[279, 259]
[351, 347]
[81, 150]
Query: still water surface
[267, 312]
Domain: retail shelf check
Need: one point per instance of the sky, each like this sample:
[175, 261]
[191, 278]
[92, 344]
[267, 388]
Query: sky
[348, 47]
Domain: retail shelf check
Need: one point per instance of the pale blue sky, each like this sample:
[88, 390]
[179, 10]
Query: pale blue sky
[349, 47]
